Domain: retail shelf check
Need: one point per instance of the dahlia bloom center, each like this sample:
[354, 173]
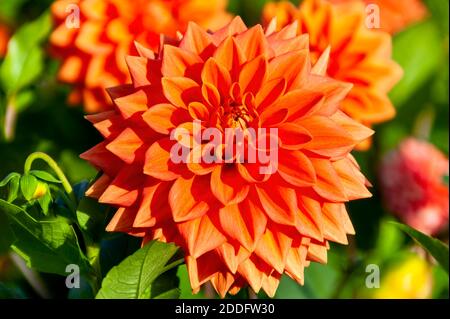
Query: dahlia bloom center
[237, 114]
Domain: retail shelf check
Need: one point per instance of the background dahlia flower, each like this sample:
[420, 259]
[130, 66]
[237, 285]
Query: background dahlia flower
[235, 225]
[395, 15]
[93, 54]
[358, 55]
[4, 39]
[413, 186]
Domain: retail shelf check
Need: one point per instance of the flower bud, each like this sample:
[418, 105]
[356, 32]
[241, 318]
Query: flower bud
[40, 190]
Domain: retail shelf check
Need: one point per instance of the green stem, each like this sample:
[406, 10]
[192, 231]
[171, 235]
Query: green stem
[54, 166]
[92, 248]
[424, 123]
[93, 255]
[10, 119]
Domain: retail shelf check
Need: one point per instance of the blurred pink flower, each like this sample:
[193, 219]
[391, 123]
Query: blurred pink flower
[413, 187]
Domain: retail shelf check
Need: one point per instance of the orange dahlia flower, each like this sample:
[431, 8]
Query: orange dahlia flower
[358, 55]
[4, 39]
[93, 37]
[237, 225]
[396, 15]
[412, 183]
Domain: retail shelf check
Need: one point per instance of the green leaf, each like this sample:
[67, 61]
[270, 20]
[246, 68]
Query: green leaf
[11, 291]
[75, 168]
[44, 176]
[24, 99]
[389, 241]
[165, 286]
[91, 217]
[440, 13]
[13, 188]
[419, 51]
[132, 278]
[28, 185]
[12, 180]
[440, 283]
[10, 9]
[185, 285]
[24, 60]
[45, 201]
[321, 282]
[47, 246]
[8, 178]
[170, 294]
[84, 292]
[436, 248]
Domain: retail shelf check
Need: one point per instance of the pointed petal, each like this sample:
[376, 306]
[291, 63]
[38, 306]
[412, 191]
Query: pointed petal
[211, 95]
[295, 168]
[293, 136]
[251, 270]
[126, 145]
[187, 198]
[270, 92]
[198, 111]
[122, 220]
[333, 228]
[110, 126]
[195, 40]
[234, 27]
[317, 253]
[242, 224]
[230, 56]
[295, 263]
[177, 62]
[328, 184]
[217, 75]
[158, 161]
[352, 179]
[328, 138]
[280, 46]
[138, 70]
[222, 282]
[200, 235]
[358, 131]
[124, 189]
[320, 68]
[292, 66]
[99, 186]
[279, 202]
[103, 159]
[273, 248]
[202, 269]
[310, 217]
[253, 42]
[143, 51]
[232, 256]
[181, 91]
[287, 32]
[227, 185]
[153, 204]
[253, 75]
[131, 104]
[164, 117]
